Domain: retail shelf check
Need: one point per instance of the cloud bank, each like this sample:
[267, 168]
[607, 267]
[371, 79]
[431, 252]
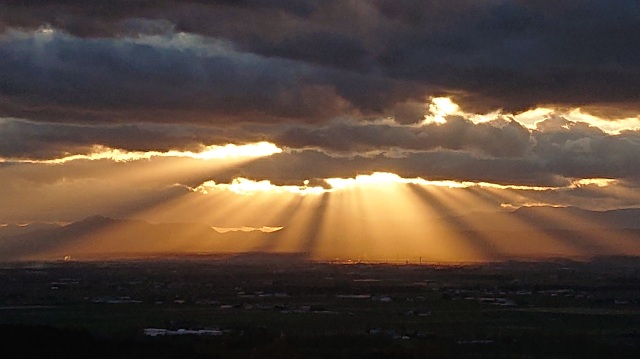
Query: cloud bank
[216, 60]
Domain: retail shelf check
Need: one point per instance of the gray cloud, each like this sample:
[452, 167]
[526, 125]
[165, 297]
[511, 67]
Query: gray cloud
[579, 150]
[501, 138]
[56, 77]
[500, 151]
[34, 140]
[293, 168]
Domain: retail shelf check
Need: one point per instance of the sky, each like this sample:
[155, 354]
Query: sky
[257, 115]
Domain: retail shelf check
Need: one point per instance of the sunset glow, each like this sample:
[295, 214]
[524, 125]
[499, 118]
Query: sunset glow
[244, 186]
[229, 151]
[397, 135]
[320, 178]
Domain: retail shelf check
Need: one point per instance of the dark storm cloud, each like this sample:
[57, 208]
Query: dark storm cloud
[508, 54]
[516, 54]
[56, 77]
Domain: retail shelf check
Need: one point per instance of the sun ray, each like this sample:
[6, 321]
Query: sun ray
[592, 237]
[288, 217]
[450, 218]
[525, 239]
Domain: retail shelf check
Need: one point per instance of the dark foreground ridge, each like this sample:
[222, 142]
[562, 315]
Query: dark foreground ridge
[283, 306]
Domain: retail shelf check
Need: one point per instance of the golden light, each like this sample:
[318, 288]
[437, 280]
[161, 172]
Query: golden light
[598, 182]
[244, 186]
[248, 187]
[134, 176]
[382, 178]
[368, 217]
[376, 178]
[612, 127]
[530, 118]
[577, 237]
[229, 151]
[260, 149]
[264, 217]
[440, 107]
[380, 216]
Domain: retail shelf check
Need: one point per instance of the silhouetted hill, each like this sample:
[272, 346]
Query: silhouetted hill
[546, 218]
[566, 217]
[98, 236]
[533, 232]
[15, 229]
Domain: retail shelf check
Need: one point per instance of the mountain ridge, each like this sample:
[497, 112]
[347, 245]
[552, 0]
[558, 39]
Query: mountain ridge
[501, 234]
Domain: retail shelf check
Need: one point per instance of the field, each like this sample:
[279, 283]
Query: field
[285, 306]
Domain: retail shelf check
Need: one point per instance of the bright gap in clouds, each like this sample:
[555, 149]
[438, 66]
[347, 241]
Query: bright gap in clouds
[441, 107]
[384, 178]
[598, 182]
[613, 127]
[229, 151]
[245, 186]
[260, 149]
